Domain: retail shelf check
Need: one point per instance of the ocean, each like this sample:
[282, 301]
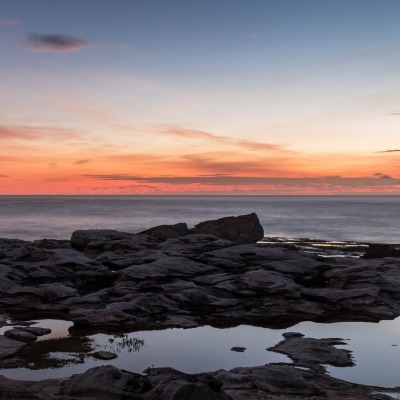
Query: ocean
[341, 218]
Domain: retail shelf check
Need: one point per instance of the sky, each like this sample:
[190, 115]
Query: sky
[244, 97]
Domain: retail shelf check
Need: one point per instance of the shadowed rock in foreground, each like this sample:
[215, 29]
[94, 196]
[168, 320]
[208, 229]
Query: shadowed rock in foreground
[173, 276]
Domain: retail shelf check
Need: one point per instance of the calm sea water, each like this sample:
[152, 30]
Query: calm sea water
[360, 218]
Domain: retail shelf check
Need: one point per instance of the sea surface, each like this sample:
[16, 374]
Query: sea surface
[346, 218]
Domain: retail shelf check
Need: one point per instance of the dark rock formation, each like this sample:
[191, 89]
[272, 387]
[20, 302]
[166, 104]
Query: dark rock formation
[26, 334]
[9, 346]
[169, 277]
[377, 250]
[21, 335]
[272, 381]
[310, 352]
[109, 278]
[242, 229]
[165, 232]
[104, 355]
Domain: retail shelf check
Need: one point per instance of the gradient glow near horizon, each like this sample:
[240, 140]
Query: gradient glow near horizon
[200, 97]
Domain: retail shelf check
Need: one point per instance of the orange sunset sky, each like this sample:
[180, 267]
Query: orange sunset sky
[190, 97]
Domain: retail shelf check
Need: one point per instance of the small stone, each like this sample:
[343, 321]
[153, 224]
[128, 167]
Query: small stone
[238, 349]
[104, 355]
[288, 335]
[8, 346]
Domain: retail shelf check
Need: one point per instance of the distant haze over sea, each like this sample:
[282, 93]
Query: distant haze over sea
[359, 218]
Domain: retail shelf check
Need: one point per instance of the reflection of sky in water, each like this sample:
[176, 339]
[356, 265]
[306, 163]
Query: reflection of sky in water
[208, 349]
[377, 360]
[59, 328]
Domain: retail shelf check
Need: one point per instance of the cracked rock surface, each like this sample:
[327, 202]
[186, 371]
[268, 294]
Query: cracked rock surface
[173, 276]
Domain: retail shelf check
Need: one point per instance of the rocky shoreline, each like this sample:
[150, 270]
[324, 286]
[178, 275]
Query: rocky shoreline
[218, 273]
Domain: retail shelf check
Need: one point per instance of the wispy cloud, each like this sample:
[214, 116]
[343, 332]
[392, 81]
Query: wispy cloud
[81, 162]
[9, 21]
[383, 176]
[55, 43]
[230, 180]
[24, 132]
[4, 176]
[202, 135]
[393, 113]
[388, 151]
[18, 133]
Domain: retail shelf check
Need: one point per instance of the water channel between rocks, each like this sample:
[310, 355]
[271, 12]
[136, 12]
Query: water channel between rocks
[375, 347]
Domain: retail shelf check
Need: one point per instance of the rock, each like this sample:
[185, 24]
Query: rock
[276, 381]
[9, 346]
[81, 238]
[95, 242]
[164, 232]
[21, 335]
[310, 352]
[168, 383]
[376, 250]
[36, 330]
[105, 382]
[194, 244]
[174, 278]
[241, 229]
[165, 267]
[104, 355]
[238, 349]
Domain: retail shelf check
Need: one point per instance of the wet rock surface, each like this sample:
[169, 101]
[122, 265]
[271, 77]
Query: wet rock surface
[271, 381]
[172, 276]
[105, 278]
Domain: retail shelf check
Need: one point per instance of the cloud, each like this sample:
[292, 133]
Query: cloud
[386, 177]
[4, 176]
[383, 176]
[24, 132]
[389, 151]
[55, 43]
[9, 22]
[393, 113]
[17, 133]
[202, 135]
[80, 162]
[229, 180]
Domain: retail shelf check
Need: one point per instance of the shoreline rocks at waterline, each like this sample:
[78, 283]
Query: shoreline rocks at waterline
[217, 273]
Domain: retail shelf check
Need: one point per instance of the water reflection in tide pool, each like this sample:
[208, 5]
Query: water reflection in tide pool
[375, 346]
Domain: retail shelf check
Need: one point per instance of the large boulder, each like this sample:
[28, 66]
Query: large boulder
[164, 232]
[242, 229]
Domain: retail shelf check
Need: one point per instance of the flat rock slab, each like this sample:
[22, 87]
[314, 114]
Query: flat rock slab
[36, 330]
[238, 349]
[104, 355]
[20, 335]
[9, 346]
[310, 352]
